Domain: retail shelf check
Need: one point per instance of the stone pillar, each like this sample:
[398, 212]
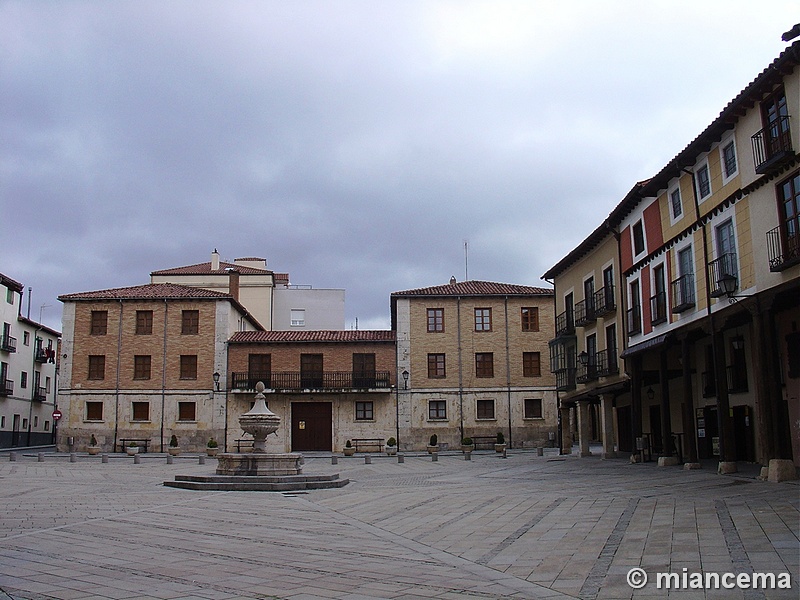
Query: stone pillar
[607, 425]
[566, 430]
[636, 403]
[727, 460]
[584, 427]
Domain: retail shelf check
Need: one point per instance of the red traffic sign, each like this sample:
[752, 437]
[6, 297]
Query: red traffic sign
[57, 414]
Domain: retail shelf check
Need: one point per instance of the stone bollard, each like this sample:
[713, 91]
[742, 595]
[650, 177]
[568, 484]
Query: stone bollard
[201, 460]
[136, 459]
[367, 460]
[169, 459]
[12, 457]
[73, 457]
[540, 452]
[40, 457]
[401, 458]
[334, 460]
[434, 457]
[504, 455]
[467, 455]
[104, 458]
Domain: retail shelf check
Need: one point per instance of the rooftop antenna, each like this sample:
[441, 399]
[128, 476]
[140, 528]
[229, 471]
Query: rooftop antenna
[41, 310]
[29, 303]
[466, 260]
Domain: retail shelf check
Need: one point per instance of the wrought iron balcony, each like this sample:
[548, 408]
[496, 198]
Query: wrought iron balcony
[607, 363]
[565, 379]
[40, 355]
[8, 343]
[6, 387]
[40, 394]
[322, 381]
[565, 323]
[658, 308]
[587, 372]
[783, 249]
[584, 312]
[772, 146]
[683, 293]
[724, 266]
[635, 319]
[604, 301]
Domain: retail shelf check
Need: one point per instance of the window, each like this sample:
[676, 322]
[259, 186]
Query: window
[436, 366]
[435, 320]
[188, 366]
[675, 203]
[363, 370]
[97, 366]
[533, 408]
[297, 317]
[141, 367]
[23, 380]
[635, 310]
[789, 217]
[141, 411]
[259, 366]
[484, 364]
[190, 322]
[483, 319]
[364, 411]
[729, 165]
[144, 322]
[638, 238]
[531, 364]
[99, 324]
[703, 182]
[9, 295]
[186, 411]
[47, 425]
[94, 411]
[530, 318]
[26, 338]
[485, 409]
[658, 302]
[311, 370]
[437, 409]
[47, 384]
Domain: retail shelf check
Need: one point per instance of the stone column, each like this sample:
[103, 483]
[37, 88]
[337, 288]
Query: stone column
[584, 427]
[607, 425]
[566, 430]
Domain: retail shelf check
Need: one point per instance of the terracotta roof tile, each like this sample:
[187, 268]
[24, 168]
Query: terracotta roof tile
[333, 336]
[148, 291]
[10, 283]
[477, 288]
[205, 269]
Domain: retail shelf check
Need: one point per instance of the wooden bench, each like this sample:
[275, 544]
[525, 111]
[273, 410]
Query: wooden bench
[488, 441]
[359, 443]
[141, 442]
[244, 443]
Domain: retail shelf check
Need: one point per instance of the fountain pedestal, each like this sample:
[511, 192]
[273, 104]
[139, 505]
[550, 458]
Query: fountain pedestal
[259, 464]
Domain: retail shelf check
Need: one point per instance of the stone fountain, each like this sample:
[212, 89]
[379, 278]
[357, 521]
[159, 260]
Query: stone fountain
[258, 470]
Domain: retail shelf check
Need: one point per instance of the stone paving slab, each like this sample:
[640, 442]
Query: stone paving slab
[522, 527]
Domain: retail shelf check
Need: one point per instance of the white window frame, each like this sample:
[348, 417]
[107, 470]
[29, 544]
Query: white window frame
[724, 144]
[494, 409]
[297, 317]
[673, 218]
[700, 167]
[636, 255]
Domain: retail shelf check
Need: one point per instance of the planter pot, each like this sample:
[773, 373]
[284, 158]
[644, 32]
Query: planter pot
[212, 451]
[499, 447]
[173, 451]
[131, 450]
[391, 450]
[467, 447]
[93, 450]
[432, 449]
[349, 451]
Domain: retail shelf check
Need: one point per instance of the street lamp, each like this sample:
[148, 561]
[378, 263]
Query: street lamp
[216, 380]
[583, 358]
[405, 379]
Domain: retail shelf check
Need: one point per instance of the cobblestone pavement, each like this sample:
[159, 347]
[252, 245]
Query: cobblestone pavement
[526, 526]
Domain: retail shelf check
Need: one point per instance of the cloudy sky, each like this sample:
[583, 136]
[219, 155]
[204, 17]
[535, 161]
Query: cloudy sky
[354, 145]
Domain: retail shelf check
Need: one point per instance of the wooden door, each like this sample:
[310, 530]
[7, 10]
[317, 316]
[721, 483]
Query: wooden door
[312, 426]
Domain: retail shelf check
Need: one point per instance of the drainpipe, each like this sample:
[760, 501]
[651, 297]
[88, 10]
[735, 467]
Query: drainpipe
[164, 375]
[460, 371]
[34, 382]
[508, 371]
[116, 390]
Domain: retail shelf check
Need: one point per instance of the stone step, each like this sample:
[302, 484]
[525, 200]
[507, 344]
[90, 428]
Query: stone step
[264, 483]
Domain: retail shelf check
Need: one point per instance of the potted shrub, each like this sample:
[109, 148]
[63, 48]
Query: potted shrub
[348, 448]
[212, 447]
[467, 445]
[500, 444]
[132, 449]
[93, 447]
[173, 446]
[433, 444]
[391, 446]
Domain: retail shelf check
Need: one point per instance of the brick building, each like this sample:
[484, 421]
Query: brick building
[470, 356]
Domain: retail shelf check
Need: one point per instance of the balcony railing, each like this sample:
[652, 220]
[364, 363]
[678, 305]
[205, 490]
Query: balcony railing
[565, 379]
[604, 301]
[6, 387]
[565, 323]
[40, 355]
[587, 372]
[724, 266]
[327, 380]
[634, 319]
[607, 363]
[584, 312]
[8, 343]
[683, 293]
[737, 379]
[772, 146]
[658, 308]
[783, 250]
[40, 394]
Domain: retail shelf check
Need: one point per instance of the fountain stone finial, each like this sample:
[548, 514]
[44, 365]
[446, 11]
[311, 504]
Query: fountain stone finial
[260, 421]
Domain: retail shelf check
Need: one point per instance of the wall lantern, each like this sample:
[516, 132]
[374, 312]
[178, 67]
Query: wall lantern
[405, 379]
[216, 380]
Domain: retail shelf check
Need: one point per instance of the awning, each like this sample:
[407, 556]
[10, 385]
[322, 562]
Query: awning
[651, 344]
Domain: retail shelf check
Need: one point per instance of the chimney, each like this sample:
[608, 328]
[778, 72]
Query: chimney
[233, 283]
[215, 260]
[453, 280]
